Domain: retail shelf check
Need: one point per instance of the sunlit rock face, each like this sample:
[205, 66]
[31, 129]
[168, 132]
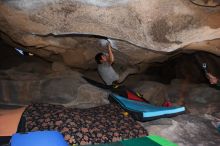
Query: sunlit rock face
[73, 31]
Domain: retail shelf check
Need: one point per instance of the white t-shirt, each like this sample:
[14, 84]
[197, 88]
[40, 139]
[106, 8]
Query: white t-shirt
[107, 73]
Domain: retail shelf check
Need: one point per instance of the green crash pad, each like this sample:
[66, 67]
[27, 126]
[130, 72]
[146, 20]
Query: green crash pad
[152, 140]
[143, 141]
[161, 141]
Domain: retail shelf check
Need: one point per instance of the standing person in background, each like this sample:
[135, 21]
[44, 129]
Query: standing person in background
[213, 80]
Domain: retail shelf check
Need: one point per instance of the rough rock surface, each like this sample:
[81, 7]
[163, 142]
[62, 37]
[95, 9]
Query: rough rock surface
[198, 98]
[67, 87]
[154, 92]
[59, 67]
[186, 130]
[185, 66]
[159, 25]
[181, 92]
[198, 126]
[89, 96]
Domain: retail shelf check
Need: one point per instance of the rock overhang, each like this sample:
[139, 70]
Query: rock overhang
[142, 30]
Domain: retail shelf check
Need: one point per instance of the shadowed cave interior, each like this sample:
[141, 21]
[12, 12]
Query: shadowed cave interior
[49, 78]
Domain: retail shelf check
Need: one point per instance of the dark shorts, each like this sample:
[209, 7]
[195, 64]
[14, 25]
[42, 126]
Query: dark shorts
[4, 140]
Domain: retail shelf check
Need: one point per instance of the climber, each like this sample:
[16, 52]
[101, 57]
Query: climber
[213, 80]
[106, 71]
[112, 79]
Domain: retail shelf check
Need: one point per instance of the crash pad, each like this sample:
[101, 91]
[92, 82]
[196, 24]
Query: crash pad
[151, 140]
[38, 138]
[143, 111]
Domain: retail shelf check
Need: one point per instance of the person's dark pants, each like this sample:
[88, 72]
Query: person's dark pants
[4, 140]
[120, 90]
[123, 91]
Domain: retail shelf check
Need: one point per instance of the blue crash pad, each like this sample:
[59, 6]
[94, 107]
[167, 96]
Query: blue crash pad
[38, 138]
